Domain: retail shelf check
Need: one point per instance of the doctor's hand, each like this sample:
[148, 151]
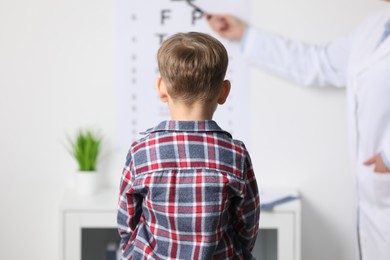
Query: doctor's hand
[377, 161]
[227, 26]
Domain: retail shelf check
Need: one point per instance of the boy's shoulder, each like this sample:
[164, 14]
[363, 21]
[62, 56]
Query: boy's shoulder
[166, 130]
[193, 141]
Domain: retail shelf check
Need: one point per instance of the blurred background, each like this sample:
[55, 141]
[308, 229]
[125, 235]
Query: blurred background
[57, 74]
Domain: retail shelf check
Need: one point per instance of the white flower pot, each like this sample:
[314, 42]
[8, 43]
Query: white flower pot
[87, 182]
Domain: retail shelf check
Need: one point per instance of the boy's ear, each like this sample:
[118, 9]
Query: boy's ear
[161, 90]
[224, 92]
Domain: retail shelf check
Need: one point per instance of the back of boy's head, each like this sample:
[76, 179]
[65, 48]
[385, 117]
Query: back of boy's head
[193, 66]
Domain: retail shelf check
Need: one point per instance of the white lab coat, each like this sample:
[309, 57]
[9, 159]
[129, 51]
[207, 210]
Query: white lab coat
[354, 62]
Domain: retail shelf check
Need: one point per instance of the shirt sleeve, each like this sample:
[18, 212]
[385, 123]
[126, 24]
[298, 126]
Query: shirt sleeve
[129, 205]
[248, 214]
[306, 64]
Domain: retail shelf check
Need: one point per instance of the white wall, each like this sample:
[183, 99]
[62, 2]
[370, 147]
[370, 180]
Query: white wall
[57, 74]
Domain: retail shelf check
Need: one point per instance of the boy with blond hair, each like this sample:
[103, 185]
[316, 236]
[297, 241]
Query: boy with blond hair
[188, 190]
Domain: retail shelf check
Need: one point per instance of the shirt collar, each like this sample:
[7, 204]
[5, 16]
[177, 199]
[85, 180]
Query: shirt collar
[187, 126]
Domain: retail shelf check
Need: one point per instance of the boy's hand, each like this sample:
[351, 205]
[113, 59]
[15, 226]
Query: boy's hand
[227, 26]
[380, 166]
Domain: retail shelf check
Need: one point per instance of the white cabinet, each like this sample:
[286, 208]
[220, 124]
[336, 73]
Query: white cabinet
[85, 212]
[279, 237]
[280, 233]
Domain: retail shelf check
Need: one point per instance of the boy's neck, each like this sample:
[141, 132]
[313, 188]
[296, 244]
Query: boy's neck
[197, 111]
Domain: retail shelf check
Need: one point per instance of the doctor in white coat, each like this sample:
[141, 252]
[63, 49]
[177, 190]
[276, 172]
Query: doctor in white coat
[360, 62]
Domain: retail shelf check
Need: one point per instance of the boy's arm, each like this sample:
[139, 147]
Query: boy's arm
[248, 215]
[129, 206]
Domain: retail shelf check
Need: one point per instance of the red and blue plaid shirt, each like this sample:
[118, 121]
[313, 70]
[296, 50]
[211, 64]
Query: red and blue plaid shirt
[188, 191]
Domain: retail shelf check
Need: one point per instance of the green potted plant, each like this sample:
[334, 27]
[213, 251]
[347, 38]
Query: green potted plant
[85, 149]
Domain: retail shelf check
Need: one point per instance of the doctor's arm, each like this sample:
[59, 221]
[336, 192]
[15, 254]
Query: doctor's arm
[305, 64]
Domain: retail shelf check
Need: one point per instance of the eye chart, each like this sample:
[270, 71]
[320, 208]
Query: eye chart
[142, 26]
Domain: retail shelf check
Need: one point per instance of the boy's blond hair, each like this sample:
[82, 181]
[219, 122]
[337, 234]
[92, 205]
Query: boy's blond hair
[193, 66]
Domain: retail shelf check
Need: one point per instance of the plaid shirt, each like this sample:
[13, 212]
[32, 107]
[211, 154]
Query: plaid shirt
[188, 191]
